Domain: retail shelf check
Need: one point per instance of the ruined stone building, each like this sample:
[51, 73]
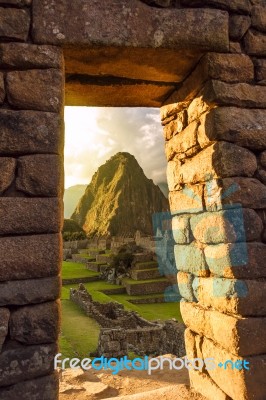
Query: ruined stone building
[203, 62]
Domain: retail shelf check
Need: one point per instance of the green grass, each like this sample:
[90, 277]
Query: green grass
[73, 270]
[87, 256]
[79, 333]
[133, 282]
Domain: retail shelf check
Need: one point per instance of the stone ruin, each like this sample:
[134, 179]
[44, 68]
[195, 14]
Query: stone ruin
[203, 62]
[123, 330]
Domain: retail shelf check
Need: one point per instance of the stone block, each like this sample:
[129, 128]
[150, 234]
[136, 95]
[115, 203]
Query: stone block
[255, 43]
[184, 144]
[32, 291]
[44, 388]
[27, 56]
[238, 26]
[35, 324]
[258, 17]
[260, 69]
[4, 321]
[181, 229]
[235, 94]
[7, 167]
[19, 363]
[175, 126]
[237, 260]
[248, 192]
[202, 383]
[35, 89]
[235, 48]
[239, 336]
[28, 257]
[40, 175]
[146, 27]
[190, 258]
[27, 132]
[237, 384]
[184, 281]
[187, 200]
[14, 24]
[215, 161]
[35, 215]
[18, 3]
[232, 296]
[227, 226]
[243, 127]
[234, 5]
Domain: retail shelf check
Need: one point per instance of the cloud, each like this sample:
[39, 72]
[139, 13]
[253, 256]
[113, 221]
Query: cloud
[93, 135]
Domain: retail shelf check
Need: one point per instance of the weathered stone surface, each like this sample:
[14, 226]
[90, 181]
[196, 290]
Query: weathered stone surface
[216, 161]
[260, 69]
[2, 89]
[40, 175]
[243, 127]
[44, 388]
[262, 159]
[240, 336]
[185, 281]
[36, 89]
[258, 17]
[190, 258]
[35, 324]
[20, 3]
[238, 26]
[175, 126]
[104, 92]
[18, 363]
[36, 215]
[23, 55]
[202, 383]
[227, 226]
[235, 48]
[237, 384]
[247, 192]
[237, 260]
[234, 5]
[261, 175]
[4, 321]
[231, 296]
[238, 94]
[184, 144]
[255, 43]
[181, 229]
[30, 291]
[26, 132]
[7, 167]
[187, 200]
[145, 26]
[28, 257]
[225, 67]
[14, 24]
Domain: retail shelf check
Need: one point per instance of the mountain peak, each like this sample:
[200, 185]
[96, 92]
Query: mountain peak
[119, 200]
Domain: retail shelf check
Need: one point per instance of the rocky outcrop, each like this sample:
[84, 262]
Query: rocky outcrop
[119, 200]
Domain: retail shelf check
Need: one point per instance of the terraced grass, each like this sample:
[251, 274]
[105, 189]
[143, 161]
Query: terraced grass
[71, 270]
[79, 334]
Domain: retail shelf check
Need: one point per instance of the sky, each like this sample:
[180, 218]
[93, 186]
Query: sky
[94, 134]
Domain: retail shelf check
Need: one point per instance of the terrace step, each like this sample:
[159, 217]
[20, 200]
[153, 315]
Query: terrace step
[145, 265]
[104, 258]
[82, 258]
[145, 274]
[145, 287]
[95, 266]
[142, 257]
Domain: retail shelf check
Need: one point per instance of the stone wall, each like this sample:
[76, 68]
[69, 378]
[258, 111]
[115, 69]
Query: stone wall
[31, 185]
[214, 127]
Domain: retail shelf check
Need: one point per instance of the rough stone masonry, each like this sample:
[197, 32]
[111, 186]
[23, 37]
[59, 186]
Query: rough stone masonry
[204, 63]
